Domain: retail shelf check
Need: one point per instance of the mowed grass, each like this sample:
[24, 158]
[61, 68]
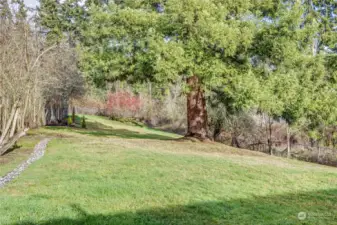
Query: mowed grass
[18, 153]
[113, 173]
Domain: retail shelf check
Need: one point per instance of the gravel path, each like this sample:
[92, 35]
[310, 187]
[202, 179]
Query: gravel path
[36, 155]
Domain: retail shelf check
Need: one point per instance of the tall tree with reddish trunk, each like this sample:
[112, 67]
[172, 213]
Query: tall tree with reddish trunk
[204, 42]
[196, 109]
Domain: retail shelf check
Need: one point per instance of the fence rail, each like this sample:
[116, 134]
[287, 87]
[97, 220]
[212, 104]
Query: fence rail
[319, 154]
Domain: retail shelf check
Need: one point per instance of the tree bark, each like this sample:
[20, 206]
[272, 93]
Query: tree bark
[53, 120]
[8, 124]
[235, 143]
[217, 131]
[14, 124]
[270, 141]
[288, 142]
[319, 153]
[11, 143]
[196, 110]
[73, 116]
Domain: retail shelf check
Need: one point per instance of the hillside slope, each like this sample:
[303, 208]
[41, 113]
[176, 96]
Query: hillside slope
[113, 173]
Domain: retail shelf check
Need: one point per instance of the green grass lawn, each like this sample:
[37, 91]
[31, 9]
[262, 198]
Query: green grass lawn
[18, 153]
[113, 173]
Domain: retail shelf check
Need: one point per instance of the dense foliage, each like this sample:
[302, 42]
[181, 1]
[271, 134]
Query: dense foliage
[273, 55]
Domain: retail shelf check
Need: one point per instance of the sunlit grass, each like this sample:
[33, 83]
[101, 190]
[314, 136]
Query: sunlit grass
[19, 153]
[114, 173]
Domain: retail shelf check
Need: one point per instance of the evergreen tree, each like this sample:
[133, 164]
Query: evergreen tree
[5, 12]
[296, 74]
[204, 41]
[62, 20]
[72, 16]
[50, 20]
[21, 10]
[323, 15]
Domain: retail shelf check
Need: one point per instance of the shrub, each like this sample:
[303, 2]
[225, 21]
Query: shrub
[123, 104]
[69, 121]
[153, 105]
[83, 123]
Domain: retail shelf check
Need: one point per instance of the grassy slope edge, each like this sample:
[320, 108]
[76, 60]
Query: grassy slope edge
[19, 153]
[113, 173]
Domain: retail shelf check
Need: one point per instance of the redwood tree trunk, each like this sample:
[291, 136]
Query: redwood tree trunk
[196, 110]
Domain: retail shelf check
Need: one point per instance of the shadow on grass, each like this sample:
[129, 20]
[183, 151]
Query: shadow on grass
[319, 207]
[101, 130]
[15, 146]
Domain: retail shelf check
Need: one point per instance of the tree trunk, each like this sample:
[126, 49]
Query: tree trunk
[319, 153]
[14, 124]
[235, 143]
[288, 142]
[217, 131]
[8, 124]
[150, 96]
[196, 110]
[270, 141]
[11, 143]
[53, 120]
[73, 116]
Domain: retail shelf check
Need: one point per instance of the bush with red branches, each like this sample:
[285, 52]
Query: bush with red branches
[123, 104]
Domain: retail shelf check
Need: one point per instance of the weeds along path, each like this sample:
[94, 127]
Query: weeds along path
[36, 155]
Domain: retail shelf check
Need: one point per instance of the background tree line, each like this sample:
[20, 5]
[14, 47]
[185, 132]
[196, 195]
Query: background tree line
[269, 59]
[36, 77]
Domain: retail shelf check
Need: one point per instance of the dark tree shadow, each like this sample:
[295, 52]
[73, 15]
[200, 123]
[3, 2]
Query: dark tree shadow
[101, 130]
[15, 147]
[319, 208]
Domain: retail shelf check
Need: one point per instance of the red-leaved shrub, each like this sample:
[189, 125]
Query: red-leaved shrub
[123, 104]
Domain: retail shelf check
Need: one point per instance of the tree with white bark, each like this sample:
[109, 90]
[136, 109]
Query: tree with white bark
[31, 74]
